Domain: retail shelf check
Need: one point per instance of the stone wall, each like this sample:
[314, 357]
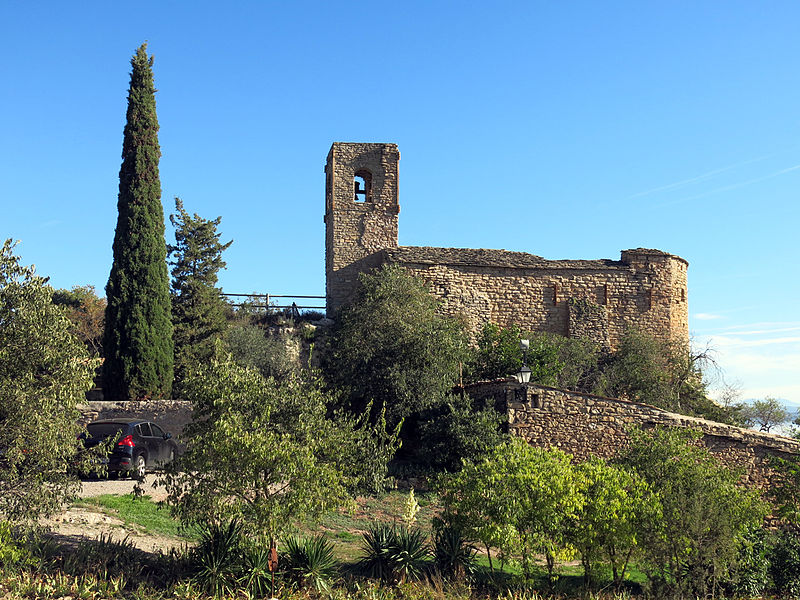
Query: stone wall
[646, 288]
[601, 299]
[171, 415]
[586, 425]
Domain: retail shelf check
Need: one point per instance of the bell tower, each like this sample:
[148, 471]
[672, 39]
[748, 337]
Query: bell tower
[361, 208]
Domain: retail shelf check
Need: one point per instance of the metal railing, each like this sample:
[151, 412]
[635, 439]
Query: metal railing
[268, 298]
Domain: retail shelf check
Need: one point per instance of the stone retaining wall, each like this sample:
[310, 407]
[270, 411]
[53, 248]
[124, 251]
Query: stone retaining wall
[586, 425]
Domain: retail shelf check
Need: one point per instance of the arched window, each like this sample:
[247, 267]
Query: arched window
[362, 186]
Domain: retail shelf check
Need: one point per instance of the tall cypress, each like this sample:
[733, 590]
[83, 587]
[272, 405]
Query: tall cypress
[138, 330]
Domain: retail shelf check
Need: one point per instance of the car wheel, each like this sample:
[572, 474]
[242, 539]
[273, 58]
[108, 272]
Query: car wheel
[139, 467]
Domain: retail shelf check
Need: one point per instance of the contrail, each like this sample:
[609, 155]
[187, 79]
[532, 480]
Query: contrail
[729, 187]
[699, 177]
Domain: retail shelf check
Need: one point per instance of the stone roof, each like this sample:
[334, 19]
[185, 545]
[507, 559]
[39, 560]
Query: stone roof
[489, 258]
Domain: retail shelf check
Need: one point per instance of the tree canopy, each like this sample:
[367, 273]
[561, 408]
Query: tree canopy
[391, 348]
[86, 311]
[44, 372]
[138, 329]
[198, 310]
[266, 452]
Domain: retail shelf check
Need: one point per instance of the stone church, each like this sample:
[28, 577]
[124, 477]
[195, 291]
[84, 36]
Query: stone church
[598, 298]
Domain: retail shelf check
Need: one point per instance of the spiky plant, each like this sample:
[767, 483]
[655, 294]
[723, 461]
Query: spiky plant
[310, 562]
[453, 555]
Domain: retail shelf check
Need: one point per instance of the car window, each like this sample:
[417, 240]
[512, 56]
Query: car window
[157, 431]
[104, 430]
[144, 430]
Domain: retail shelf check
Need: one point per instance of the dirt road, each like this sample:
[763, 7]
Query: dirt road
[98, 487]
[90, 522]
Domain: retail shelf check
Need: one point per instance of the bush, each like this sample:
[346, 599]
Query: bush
[251, 347]
[750, 575]
[453, 555]
[692, 548]
[393, 555]
[455, 431]
[13, 552]
[216, 561]
[785, 564]
[309, 563]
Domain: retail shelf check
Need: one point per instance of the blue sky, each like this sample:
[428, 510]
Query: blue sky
[563, 129]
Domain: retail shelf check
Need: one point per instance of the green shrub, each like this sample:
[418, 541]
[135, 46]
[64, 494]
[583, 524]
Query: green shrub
[785, 564]
[750, 575]
[455, 430]
[309, 562]
[393, 555]
[453, 555]
[13, 552]
[217, 560]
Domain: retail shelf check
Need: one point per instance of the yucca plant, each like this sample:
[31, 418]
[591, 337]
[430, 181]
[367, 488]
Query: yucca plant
[217, 559]
[410, 555]
[257, 579]
[393, 555]
[310, 562]
[453, 555]
[376, 552]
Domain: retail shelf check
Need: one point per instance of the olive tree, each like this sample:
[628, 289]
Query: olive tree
[266, 452]
[765, 414]
[391, 348]
[44, 372]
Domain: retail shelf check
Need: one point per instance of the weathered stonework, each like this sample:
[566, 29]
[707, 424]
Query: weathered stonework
[585, 425]
[646, 288]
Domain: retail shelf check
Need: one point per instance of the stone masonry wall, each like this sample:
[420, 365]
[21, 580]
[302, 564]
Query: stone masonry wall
[356, 231]
[646, 289]
[585, 425]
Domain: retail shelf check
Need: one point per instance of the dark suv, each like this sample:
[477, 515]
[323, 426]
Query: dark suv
[140, 445]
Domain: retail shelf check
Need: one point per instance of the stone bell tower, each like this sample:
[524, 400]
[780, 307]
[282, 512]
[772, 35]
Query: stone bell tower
[361, 208]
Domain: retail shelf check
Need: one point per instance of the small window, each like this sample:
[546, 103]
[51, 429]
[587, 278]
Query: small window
[144, 430]
[362, 186]
[157, 431]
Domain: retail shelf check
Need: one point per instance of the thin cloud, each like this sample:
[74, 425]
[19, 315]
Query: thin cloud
[704, 176]
[729, 342]
[728, 188]
[706, 316]
[760, 328]
[767, 331]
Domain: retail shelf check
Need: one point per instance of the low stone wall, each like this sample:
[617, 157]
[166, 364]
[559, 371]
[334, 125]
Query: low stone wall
[170, 415]
[586, 425]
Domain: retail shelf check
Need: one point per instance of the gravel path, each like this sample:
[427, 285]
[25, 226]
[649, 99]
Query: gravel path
[89, 522]
[98, 487]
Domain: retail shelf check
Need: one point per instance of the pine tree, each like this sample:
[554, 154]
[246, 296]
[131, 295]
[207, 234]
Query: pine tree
[138, 328]
[198, 310]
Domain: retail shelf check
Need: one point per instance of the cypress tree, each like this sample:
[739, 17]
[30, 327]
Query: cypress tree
[138, 329]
